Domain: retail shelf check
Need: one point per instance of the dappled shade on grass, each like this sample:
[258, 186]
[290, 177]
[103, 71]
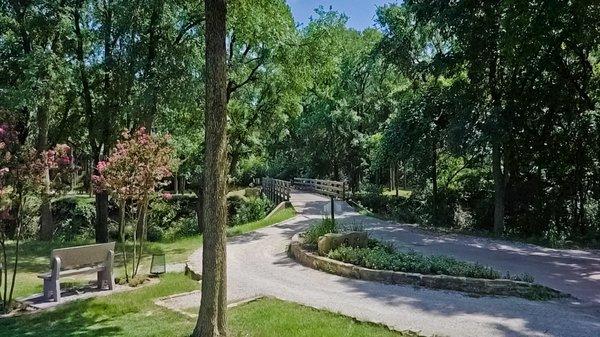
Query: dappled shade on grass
[273, 318]
[125, 314]
[133, 314]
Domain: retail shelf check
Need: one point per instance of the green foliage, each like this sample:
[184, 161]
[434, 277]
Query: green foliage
[74, 218]
[487, 84]
[437, 90]
[249, 169]
[381, 256]
[249, 210]
[315, 231]
[182, 228]
[168, 219]
[408, 210]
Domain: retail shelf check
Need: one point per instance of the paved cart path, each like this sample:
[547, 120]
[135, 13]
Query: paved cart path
[258, 266]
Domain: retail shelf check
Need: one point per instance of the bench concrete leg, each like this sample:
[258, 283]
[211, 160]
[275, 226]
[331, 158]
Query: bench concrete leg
[47, 289]
[110, 279]
[101, 278]
[106, 277]
[56, 289]
[54, 281]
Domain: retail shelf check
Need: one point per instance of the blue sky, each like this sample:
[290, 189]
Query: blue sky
[361, 13]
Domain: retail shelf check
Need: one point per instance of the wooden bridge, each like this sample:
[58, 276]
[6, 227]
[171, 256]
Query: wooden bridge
[279, 190]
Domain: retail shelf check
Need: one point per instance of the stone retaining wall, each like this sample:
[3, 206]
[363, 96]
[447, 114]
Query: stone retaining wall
[501, 287]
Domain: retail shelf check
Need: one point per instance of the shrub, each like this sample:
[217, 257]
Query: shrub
[384, 257]
[164, 214]
[250, 168]
[315, 231]
[74, 218]
[182, 228]
[250, 210]
[399, 208]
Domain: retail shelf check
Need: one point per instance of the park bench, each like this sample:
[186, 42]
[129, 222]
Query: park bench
[67, 262]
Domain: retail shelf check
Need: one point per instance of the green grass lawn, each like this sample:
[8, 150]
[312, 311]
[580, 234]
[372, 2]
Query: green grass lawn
[134, 314]
[401, 193]
[35, 255]
[273, 318]
[279, 216]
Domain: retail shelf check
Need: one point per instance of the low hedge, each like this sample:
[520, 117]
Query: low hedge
[382, 257]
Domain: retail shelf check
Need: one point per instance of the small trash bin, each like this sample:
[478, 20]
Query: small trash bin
[158, 265]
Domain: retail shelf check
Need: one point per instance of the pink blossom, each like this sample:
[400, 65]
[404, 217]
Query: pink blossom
[101, 166]
[167, 196]
[65, 160]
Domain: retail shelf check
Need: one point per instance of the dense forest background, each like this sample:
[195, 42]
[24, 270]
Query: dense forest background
[486, 111]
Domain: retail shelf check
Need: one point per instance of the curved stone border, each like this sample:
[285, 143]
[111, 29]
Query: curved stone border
[500, 287]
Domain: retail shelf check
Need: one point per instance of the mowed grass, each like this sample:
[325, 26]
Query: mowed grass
[125, 314]
[35, 255]
[134, 314]
[279, 216]
[274, 318]
[401, 193]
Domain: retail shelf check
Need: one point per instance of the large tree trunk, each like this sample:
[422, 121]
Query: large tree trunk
[101, 217]
[200, 205]
[496, 142]
[499, 187]
[150, 71]
[213, 306]
[103, 122]
[434, 174]
[92, 124]
[46, 222]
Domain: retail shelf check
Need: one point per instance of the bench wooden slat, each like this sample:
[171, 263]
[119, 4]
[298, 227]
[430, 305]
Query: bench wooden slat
[73, 257]
[73, 272]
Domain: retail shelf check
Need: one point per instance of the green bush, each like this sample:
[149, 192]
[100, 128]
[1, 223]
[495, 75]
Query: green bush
[384, 257]
[74, 218]
[164, 215]
[181, 228]
[250, 168]
[399, 208]
[249, 210]
[315, 231]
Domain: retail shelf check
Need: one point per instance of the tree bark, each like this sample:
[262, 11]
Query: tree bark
[102, 127]
[101, 217]
[200, 205]
[46, 222]
[499, 187]
[434, 173]
[150, 69]
[213, 306]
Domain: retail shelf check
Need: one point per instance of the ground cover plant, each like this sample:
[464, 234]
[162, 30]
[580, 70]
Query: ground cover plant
[384, 256]
[315, 231]
[379, 256]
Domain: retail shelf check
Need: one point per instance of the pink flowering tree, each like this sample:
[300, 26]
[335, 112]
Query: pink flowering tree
[22, 175]
[133, 174]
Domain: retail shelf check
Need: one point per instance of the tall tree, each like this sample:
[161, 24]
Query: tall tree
[213, 306]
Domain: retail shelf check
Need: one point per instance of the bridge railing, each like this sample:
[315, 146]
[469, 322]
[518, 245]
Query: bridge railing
[328, 187]
[276, 190]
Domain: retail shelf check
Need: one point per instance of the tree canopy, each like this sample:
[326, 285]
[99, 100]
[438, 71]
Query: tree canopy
[488, 110]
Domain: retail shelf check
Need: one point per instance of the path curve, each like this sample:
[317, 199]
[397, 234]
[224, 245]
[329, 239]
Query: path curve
[258, 266]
